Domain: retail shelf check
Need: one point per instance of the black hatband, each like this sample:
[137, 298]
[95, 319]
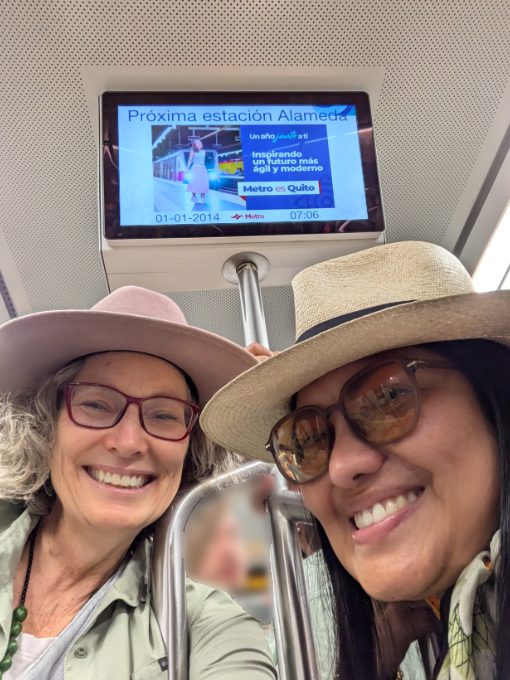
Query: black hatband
[344, 318]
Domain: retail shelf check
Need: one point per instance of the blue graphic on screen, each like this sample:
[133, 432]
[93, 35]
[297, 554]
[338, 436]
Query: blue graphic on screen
[296, 154]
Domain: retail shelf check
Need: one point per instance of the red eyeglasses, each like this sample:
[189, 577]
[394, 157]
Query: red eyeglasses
[99, 407]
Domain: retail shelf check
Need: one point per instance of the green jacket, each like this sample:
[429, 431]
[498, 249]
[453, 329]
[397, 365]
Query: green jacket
[123, 640]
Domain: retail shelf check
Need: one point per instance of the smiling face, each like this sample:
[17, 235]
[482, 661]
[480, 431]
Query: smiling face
[119, 478]
[405, 518]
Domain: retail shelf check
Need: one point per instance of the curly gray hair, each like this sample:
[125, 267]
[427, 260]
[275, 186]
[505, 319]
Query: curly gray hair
[27, 437]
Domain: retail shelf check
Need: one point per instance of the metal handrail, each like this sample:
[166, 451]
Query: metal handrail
[168, 572]
[295, 649]
[295, 646]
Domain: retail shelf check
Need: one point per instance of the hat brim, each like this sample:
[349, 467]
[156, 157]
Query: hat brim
[35, 346]
[241, 415]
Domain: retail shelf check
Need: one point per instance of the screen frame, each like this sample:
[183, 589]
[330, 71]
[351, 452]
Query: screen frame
[109, 175]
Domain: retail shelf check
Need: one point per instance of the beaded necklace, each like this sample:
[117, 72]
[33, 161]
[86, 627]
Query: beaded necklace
[18, 615]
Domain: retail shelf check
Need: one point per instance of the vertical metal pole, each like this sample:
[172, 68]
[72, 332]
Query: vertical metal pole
[293, 631]
[254, 322]
[246, 270]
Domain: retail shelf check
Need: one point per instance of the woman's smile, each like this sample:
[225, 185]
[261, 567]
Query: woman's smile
[383, 509]
[119, 479]
[375, 523]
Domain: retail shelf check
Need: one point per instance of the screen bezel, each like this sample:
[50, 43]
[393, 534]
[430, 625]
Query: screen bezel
[109, 175]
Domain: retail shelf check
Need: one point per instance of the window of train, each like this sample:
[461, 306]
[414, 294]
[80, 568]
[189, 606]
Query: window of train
[493, 270]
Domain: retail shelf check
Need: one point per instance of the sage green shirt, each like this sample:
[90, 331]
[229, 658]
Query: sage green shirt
[123, 641]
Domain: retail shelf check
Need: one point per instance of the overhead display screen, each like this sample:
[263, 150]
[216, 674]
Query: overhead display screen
[228, 164]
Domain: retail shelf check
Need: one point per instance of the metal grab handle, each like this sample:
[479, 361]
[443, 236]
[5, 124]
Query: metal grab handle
[168, 575]
[294, 642]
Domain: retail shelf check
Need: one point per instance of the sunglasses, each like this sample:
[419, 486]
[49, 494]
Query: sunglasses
[381, 404]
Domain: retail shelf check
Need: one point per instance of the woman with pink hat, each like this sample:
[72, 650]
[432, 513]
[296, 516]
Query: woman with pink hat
[98, 433]
[392, 414]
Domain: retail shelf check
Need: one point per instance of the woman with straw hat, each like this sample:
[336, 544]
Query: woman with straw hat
[98, 433]
[392, 413]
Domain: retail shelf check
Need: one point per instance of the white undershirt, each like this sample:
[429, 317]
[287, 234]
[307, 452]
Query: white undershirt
[30, 649]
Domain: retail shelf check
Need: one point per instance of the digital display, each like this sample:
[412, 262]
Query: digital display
[221, 164]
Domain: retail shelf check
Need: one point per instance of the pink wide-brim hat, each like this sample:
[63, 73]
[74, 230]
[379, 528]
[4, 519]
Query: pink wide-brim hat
[130, 319]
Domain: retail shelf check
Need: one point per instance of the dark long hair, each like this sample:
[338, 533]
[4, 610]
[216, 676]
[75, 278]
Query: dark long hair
[486, 365]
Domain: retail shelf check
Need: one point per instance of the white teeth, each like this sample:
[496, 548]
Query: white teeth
[390, 507]
[380, 511]
[127, 481]
[400, 502]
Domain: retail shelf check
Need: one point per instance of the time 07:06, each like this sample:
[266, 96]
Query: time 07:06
[304, 215]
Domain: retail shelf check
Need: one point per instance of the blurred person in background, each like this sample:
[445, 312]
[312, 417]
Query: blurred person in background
[215, 550]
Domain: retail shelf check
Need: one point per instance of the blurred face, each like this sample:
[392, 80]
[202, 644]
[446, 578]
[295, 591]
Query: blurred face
[405, 518]
[223, 563]
[119, 478]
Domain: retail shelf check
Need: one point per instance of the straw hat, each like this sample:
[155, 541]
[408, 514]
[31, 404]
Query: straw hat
[348, 308]
[131, 319]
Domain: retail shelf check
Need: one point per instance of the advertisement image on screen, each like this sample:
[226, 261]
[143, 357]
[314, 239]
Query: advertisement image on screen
[239, 165]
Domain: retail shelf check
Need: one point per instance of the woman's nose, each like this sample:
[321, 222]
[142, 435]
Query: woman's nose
[127, 437]
[351, 458]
